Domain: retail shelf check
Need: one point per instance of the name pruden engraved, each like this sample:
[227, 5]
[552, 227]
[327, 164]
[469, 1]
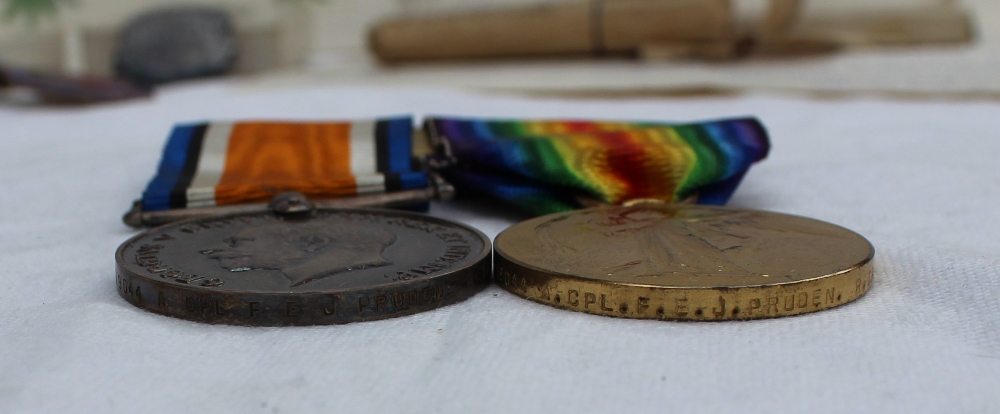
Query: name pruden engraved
[321, 267]
[659, 261]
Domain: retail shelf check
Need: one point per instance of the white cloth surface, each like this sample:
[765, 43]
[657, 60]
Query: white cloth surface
[920, 180]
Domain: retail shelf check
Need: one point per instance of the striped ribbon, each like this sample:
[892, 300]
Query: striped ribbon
[544, 166]
[221, 163]
[539, 166]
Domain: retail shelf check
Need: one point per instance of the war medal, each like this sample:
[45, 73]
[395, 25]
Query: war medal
[313, 267]
[643, 255]
[294, 261]
[660, 261]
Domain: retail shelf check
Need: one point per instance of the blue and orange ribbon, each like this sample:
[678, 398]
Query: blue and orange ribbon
[222, 163]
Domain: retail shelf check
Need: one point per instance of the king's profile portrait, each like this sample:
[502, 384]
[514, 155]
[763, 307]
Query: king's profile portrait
[304, 252]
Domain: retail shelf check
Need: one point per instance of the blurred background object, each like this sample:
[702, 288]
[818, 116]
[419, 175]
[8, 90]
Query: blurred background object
[657, 29]
[176, 43]
[28, 87]
[81, 37]
[595, 28]
[30, 10]
[653, 47]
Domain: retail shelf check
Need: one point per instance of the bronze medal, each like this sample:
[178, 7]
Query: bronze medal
[315, 267]
[675, 262]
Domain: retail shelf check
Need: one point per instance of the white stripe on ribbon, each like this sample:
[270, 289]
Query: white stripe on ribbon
[367, 184]
[211, 162]
[364, 158]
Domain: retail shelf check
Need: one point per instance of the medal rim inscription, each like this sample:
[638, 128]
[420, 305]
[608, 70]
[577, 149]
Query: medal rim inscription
[439, 289]
[701, 303]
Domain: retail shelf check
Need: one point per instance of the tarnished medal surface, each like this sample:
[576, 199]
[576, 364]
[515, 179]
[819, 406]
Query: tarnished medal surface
[669, 262]
[326, 267]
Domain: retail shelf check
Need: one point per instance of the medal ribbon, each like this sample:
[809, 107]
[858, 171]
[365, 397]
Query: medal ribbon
[543, 166]
[539, 166]
[222, 163]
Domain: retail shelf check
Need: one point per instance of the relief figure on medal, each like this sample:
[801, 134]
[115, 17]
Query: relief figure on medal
[304, 252]
[644, 242]
[664, 246]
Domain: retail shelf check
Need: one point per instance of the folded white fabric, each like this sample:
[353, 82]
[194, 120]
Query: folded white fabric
[920, 180]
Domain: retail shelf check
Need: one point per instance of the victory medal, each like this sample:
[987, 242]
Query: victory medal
[661, 261]
[645, 253]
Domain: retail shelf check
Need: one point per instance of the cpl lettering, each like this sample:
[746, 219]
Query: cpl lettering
[204, 306]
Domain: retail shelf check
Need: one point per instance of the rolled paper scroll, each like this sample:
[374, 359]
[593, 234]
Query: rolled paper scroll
[595, 27]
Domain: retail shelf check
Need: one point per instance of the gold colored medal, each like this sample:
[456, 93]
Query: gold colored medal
[679, 262]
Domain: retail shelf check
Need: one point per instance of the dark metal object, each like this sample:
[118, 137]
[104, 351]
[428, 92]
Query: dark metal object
[176, 43]
[290, 203]
[315, 267]
[438, 190]
[57, 89]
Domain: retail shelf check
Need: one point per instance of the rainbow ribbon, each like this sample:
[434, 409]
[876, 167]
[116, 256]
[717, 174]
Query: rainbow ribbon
[539, 166]
[545, 166]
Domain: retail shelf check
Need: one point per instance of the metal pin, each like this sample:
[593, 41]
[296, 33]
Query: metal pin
[288, 202]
